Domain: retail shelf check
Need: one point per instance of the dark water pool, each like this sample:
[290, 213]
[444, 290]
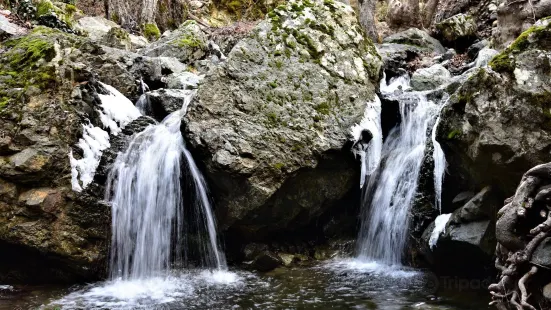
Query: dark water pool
[339, 284]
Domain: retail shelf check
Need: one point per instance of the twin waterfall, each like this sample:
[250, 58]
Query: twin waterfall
[152, 220]
[156, 190]
[392, 186]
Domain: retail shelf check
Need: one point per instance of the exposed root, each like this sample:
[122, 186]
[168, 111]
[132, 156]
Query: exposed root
[522, 288]
[515, 247]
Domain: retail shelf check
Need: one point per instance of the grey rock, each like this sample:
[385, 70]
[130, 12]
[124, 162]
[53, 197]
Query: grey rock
[458, 27]
[495, 127]
[188, 44]
[417, 38]
[460, 199]
[430, 78]
[95, 26]
[183, 80]
[271, 122]
[542, 254]
[484, 57]
[9, 29]
[266, 261]
[162, 102]
[512, 20]
[473, 50]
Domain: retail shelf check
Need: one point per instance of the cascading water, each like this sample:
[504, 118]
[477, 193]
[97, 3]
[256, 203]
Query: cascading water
[392, 188]
[148, 215]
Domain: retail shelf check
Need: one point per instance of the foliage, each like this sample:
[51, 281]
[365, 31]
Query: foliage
[151, 32]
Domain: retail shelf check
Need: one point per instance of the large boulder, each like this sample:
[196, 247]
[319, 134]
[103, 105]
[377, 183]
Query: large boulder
[430, 78]
[457, 29]
[270, 124]
[496, 125]
[408, 50]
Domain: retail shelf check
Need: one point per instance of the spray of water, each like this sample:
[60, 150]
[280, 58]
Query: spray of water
[145, 190]
[391, 190]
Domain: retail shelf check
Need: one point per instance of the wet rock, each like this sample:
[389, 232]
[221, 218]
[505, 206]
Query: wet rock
[542, 254]
[430, 78]
[461, 198]
[547, 291]
[458, 28]
[495, 126]
[468, 241]
[473, 50]
[286, 259]
[266, 261]
[418, 38]
[251, 250]
[271, 123]
[165, 101]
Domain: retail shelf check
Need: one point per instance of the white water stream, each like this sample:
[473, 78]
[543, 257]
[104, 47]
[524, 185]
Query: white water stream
[391, 189]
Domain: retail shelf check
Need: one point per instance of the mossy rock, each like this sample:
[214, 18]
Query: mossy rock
[151, 32]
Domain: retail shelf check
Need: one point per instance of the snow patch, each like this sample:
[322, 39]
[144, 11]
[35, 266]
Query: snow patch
[439, 228]
[370, 154]
[94, 140]
[118, 111]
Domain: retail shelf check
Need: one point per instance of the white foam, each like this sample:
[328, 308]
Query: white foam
[6, 288]
[117, 110]
[370, 154]
[395, 84]
[147, 293]
[439, 228]
[94, 140]
[372, 267]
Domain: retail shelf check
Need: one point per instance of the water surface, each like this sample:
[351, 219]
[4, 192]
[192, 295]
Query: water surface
[339, 284]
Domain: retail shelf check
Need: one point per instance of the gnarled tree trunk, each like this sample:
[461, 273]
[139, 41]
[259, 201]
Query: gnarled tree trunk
[367, 17]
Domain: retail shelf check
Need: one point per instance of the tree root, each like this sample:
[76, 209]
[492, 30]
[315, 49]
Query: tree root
[514, 249]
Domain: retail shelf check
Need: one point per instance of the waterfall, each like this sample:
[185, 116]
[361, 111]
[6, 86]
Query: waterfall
[148, 212]
[391, 189]
[439, 162]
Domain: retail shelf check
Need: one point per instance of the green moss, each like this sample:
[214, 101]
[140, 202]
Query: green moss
[279, 166]
[70, 9]
[26, 51]
[323, 108]
[189, 40]
[44, 7]
[453, 134]
[272, 118]
[151, 32]
[4, 102]
[505, 61]
[273, 84]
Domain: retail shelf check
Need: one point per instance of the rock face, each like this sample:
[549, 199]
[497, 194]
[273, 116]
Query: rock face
[468, 241]
[496, 125]
[270, 124]
[60, 235]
